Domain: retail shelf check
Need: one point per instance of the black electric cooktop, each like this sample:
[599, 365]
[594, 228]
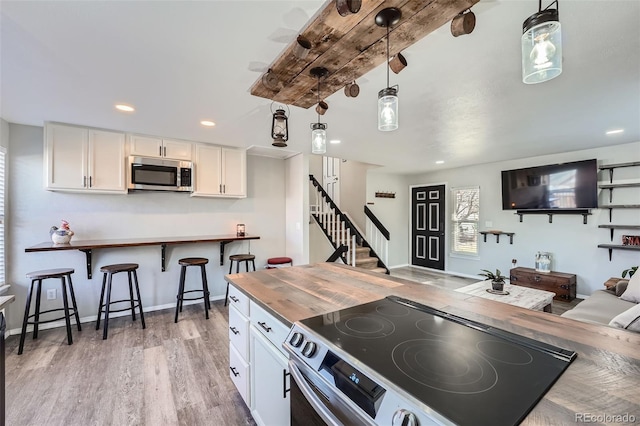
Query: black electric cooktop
[467, 371]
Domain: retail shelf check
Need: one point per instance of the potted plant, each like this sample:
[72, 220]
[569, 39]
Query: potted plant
[497, 279]
[629, 271]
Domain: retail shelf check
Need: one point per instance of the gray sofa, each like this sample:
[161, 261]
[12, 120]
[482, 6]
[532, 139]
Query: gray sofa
[602, 306]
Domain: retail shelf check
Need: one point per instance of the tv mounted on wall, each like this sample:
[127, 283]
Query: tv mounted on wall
[564, 186]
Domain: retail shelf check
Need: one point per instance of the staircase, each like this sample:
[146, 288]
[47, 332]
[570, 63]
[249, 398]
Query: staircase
[350, 245]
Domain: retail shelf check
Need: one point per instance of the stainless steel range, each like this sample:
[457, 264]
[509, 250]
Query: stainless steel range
[398, 362]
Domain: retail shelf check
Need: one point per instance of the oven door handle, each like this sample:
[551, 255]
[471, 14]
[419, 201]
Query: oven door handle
[312, 397]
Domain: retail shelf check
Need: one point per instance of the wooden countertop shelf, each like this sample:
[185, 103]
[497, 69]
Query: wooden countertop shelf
[87, 246]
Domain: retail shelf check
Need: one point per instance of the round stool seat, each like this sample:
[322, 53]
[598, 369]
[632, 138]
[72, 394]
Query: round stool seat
[119, 267]
[49, 273]
[192, 261]
[241, 257]
[279, 260]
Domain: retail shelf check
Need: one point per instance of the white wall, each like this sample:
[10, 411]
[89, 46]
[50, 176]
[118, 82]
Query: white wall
[296, 189]
[392, 212]
[34, 210]
[572, 244]
[353, 190]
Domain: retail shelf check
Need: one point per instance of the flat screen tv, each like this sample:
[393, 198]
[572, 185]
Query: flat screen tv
[565, 186]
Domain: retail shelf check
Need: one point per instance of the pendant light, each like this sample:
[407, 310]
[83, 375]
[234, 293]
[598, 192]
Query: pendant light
[319, 130]
[279, 126]
[388, 97]
[541, 45]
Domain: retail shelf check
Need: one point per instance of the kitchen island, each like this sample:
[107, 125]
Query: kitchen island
[599, 386]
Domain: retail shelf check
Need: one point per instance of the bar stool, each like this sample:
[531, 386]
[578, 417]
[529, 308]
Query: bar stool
[279, 262]
[184, 263]
[239, 258]
[36, 277]
[109, 271]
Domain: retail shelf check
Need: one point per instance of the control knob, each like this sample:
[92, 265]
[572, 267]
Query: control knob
[296, 339]
[309, 349]
[404, 418]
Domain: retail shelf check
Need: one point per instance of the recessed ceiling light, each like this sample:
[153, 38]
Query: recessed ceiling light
[616, 131]
[439, 162]
[207, 123]
[125, 108]
[335, 141]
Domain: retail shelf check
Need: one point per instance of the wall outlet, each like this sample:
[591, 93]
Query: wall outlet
[51, 294]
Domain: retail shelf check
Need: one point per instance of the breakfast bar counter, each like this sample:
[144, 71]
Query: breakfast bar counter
[87, 246]
[600, 385]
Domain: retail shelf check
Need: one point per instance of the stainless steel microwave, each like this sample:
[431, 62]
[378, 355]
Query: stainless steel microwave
[159, 174]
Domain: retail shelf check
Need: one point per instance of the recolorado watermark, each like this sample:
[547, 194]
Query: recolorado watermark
[605, 418]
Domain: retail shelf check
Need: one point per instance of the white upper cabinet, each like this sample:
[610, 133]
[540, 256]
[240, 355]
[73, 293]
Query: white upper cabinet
[84, 160]
[149, 146]
[220, 172]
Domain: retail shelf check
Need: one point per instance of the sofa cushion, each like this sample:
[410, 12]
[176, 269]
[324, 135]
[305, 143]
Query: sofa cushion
[599, 308]
[632, 293]
[629, 319]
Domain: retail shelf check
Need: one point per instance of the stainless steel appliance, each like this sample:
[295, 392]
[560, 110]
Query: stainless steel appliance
[159, 174]
[398, 362]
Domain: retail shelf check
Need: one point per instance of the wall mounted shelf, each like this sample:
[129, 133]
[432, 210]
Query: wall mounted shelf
[612, 247]
[612, 227]
[610, 167]
[497, 234]
[550, 213]
[385, 195]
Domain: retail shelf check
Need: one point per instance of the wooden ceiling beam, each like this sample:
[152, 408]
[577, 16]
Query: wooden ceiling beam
[351, 46]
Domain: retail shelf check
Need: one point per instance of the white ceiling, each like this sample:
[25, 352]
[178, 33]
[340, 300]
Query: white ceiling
[461, 99]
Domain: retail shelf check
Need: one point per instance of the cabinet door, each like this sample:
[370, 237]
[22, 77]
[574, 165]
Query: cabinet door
[65, 156]
[145, 146]
[207, 171]
[234, 169]
[269, 382]
[106, 161]
[179, 150]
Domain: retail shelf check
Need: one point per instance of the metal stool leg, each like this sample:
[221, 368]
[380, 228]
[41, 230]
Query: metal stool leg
[205, 292]
[73, 301]
[180, 295]
[36, 319]
[135, 280]
[106, 307]
[104, 285]
[67, 317]
[253, 263]
[133, 307]
[26, 318]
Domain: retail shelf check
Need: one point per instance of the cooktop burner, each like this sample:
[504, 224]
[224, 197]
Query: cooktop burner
[468, 372]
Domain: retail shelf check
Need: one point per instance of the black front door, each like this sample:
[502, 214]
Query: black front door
[427, 226]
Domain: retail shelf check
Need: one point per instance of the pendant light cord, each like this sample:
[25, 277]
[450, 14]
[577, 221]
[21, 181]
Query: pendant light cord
[318, 98]
[388, 54]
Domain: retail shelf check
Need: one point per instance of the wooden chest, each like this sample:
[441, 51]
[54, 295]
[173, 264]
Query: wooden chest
[563, 285]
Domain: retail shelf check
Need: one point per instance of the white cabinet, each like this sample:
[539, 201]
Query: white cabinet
[239, 342]
[269, 382]
[149, 146]
[220, 172]
[82, 159]
[257, 361]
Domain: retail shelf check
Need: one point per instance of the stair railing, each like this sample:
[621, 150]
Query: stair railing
[377, 235]
[337, 226]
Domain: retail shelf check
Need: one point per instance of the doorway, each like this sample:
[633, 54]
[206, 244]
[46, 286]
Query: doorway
[330, 178]
[428, 226]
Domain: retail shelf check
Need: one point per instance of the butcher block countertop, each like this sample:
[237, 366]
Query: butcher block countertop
[600, 386]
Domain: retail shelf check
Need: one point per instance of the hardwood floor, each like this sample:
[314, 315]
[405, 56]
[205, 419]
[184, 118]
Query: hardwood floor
[453, 282]
[168, 374]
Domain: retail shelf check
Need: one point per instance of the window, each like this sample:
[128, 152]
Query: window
[466, 213]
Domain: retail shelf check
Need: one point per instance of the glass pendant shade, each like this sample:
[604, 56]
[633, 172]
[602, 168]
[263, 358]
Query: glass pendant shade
[318, 138]
[388, 109]
[541, 47]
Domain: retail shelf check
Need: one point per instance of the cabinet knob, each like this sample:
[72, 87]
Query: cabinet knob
[234, 371]
[234, 299]
[234, 330]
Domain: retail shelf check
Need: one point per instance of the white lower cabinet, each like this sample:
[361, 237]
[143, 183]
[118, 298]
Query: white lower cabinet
[257, 362]
[269, 382]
